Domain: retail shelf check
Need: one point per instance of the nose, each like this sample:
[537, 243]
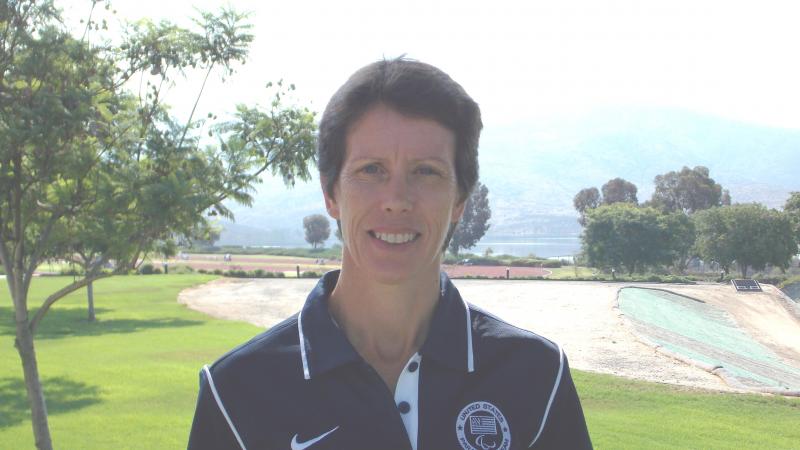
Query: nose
[398, 196]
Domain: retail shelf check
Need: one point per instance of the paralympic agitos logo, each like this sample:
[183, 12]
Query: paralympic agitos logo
[481, 426]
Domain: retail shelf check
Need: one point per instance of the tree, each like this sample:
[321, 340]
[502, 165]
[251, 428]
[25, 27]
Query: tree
[619, 191]
[586, 199]
[623, 235]
[317, 228]
[792, 209]
[725, 200]
[689, 190]
[749, 235]
[474, 222]
[204, 237]
[678, 237]
[93, 172]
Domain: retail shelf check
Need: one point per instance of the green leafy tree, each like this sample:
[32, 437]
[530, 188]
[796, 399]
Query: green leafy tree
[317, 229]
[689, 190]
[677, 242]
[93, 173]
[619, 190]
[792, 209]
[474, 222]
[748, 235]
[622, 235]
[586, 199]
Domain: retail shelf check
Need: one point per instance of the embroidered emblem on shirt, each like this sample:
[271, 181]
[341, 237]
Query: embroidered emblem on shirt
[303, 445]
[481, 426]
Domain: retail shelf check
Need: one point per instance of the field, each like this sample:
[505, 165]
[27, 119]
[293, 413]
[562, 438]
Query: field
[130, 380]
[289, 265]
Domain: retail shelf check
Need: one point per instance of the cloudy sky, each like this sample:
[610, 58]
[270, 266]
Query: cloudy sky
[520, 60]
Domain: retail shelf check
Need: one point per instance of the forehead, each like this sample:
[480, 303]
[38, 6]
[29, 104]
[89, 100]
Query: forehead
[383, 132]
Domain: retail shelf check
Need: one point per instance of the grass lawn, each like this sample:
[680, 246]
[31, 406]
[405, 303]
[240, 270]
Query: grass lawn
[130, 380]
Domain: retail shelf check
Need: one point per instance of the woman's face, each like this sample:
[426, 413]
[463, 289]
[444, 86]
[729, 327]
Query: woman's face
[396, 195]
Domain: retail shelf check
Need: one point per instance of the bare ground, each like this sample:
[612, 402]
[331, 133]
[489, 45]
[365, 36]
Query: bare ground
[581, 316]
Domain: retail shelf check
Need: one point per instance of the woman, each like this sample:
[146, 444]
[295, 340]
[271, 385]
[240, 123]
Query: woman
[385, 354]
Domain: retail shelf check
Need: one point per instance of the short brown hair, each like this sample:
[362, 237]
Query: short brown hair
[412, 88]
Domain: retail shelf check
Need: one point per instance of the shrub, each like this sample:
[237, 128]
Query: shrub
[181, 269]
[73, 272]
[259, 273]
[309, 274]
[202, 271]
[147, 269]
[217, 272]
[236, 273]
[156, 271]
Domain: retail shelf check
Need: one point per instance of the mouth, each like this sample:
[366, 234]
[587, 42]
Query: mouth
[394, 238]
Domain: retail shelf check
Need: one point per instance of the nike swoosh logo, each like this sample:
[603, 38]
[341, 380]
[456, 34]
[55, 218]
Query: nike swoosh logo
[303, 445]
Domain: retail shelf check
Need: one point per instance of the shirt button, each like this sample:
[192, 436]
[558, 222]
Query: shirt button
[413, 366]
[404, 407]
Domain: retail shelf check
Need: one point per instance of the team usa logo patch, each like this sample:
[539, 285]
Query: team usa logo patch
[481, 426]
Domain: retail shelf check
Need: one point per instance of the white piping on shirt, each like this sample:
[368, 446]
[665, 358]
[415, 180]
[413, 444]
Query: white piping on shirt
[222, 407]
[470, 356]
[552, 394]
[306, 373]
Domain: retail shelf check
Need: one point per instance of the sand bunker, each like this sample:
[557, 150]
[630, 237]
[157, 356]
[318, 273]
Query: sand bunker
[581, 316]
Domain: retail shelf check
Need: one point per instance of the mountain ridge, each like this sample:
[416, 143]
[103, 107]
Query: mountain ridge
[533, 170]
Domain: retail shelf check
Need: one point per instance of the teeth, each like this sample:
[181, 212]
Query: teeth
[393, 238]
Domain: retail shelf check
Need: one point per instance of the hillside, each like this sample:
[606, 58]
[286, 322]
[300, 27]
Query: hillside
[534, 170]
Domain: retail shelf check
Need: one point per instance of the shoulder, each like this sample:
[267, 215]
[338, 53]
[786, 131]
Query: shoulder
[267, 354]
[494, 339]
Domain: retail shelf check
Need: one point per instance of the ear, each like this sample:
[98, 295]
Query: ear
[458, 211]
[330, 202]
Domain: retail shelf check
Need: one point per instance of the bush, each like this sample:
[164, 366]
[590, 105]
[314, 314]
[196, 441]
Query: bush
[157, 271]
[528, 262]
[72, 272]
[217, 272]
[181, 269]
[146, 269]
[310, 274]
[202, 271]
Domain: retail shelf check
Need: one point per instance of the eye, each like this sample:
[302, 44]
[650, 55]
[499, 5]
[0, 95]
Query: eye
[426, 170]
[371, 169]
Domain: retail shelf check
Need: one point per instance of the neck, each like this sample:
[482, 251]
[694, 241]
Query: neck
[385, 323]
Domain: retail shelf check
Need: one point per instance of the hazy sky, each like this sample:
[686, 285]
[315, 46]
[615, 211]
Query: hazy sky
[522, 60]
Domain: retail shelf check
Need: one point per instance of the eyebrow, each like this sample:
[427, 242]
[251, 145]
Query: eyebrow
[415, 160]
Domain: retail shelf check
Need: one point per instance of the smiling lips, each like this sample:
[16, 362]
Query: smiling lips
[395, 238]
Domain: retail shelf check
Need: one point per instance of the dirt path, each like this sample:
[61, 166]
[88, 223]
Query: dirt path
[581, 316]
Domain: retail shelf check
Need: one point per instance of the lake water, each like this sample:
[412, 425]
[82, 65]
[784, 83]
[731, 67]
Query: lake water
[544, 247]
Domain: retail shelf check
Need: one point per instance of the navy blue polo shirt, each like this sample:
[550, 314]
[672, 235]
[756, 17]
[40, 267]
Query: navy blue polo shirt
[476, 383]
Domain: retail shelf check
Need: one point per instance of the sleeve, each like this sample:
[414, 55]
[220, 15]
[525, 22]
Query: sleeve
[210, 429]
[564, 426]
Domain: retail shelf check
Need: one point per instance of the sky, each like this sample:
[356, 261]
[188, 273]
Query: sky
[521, 61]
